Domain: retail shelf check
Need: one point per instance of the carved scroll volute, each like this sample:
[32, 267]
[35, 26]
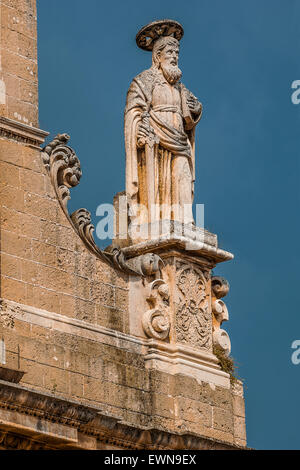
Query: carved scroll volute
[156, 321]
[220, 288]
[63, 167]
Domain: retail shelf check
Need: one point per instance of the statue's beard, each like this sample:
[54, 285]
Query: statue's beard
[172, 73]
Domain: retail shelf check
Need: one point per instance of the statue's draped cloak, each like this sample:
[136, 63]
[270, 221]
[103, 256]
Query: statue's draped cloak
[173, 142]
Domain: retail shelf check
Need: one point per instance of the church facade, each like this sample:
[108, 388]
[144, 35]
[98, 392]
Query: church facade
[115, 349]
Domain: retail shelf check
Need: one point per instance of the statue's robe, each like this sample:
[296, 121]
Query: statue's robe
[174, 156]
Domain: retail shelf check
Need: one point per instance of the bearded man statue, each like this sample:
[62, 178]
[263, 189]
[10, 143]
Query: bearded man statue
[160, 119]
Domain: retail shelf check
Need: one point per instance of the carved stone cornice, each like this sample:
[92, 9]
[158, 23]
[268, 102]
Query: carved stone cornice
[12, 441]
[17, 131]
[182, 243]
[87, 420]
[43, 405]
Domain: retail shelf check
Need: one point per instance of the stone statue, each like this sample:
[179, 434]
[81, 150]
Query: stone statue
[160, 120]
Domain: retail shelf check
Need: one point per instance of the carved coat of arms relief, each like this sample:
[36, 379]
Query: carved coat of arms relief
[193, 323]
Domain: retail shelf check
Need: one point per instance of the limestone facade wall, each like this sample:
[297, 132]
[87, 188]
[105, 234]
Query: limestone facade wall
[18, 61]
[64, 318]
[64, 313]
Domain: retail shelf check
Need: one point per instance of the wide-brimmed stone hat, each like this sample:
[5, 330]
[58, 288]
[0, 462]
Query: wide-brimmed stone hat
[147, 36]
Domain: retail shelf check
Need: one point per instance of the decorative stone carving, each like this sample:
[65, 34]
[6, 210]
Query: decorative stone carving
[20, 132]
[220, 288]
[15, 397]
[220, 311]
[156, 321]
[90, 421]
[64, 170]
[64, 167]
[148, 264]
[11, 441]
[221, 339]
[193, 318]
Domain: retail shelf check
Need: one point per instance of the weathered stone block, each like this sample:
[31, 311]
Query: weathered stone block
[29, 271]
[41, 333]
[214, 433]
[49, 232]
[41, 207]
[84, 310]
[136, 378]
[43, 252]
[12, 289]
[31, 159]
[55, 355]
[27, 47]
[32, 181]
[18, 20]
[194, 411]
[238, 406]
[67, 305]
[95, 391]
[82, 287]
[9, 39]
[96, 367]
[12, 359]
[12, 198]
[76, 360]
[222, 420]
[15, 245]
[9, 174]
[10, 220]
[121, 299]
[35, 373]
[57, 380]
[65, 260]
[45, 299]
[11, 152]
[137, 400]
[103, 294]
[114, 372]
[55, 279]
[19, 66]
[76, 384]
[11, 266]
[239, 428]
[66, 238]
[163, 405]
[23, 6]
[30, 227]
[22, 111]
[109, 317]
[84, 264]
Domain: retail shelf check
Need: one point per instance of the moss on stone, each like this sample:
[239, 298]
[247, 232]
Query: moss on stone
[226, 363]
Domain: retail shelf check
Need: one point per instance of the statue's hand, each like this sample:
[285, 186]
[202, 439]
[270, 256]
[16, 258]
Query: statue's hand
[142, 134]
[141, 142]
[194, 105]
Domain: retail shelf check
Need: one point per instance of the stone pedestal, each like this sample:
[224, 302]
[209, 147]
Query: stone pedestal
[173, 304]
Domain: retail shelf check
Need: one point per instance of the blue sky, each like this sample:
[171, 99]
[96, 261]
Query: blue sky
[240, 59]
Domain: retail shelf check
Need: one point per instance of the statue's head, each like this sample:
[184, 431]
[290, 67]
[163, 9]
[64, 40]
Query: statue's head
[165, 58]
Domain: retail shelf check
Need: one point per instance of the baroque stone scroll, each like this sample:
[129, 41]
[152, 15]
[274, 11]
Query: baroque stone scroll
[64, 169]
